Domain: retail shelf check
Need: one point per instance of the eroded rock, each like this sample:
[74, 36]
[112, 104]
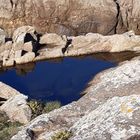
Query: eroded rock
[17, 109]
[115, 119]
[53, 40]
[23, 35]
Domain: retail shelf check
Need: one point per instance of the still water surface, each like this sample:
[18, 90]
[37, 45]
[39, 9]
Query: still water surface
[62, 80]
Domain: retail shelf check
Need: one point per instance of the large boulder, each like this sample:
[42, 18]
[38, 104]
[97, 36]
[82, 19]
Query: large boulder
[24, 33]
[17, 109]
[116, 119]
[87, 44]
[93, 43]
[53, 40]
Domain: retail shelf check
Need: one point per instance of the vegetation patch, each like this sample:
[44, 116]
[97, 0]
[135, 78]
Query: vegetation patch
[7, 128]
[39, 108]
[36, 107]
[50, 106]
[62, 135]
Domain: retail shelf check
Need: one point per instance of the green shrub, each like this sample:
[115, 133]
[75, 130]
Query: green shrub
[7, 128]
[50, 106]
[62, 135]
[36, 107]
[39, 108]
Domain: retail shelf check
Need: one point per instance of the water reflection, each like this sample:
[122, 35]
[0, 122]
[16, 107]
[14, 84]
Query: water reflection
[116, 57]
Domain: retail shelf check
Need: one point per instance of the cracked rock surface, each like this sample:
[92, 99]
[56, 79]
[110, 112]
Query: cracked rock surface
[71, 17]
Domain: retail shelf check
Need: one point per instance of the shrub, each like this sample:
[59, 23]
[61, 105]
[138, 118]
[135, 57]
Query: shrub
[62, 135]
[39, 108]
[50, 106]
[36, 107]
[7, 128]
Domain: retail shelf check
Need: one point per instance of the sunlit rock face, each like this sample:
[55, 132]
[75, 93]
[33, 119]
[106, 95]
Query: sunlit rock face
[113, 120]
[70, 17]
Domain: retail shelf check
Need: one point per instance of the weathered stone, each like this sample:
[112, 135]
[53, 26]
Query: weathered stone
[114, 120]
[26, 58]
[12, 54]
[17, 46]
[80, 45]
[17, 109]
[7, 92]
[92, 43]
[20, 35]
[53, 40]
[125, 42]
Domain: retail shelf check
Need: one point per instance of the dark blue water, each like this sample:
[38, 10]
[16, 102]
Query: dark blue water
[50, 81]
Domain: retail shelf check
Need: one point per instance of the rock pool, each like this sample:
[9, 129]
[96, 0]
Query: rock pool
[61, 80]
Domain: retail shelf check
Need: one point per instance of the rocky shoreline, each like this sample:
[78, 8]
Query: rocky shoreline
[26, 45]
[108, 110]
